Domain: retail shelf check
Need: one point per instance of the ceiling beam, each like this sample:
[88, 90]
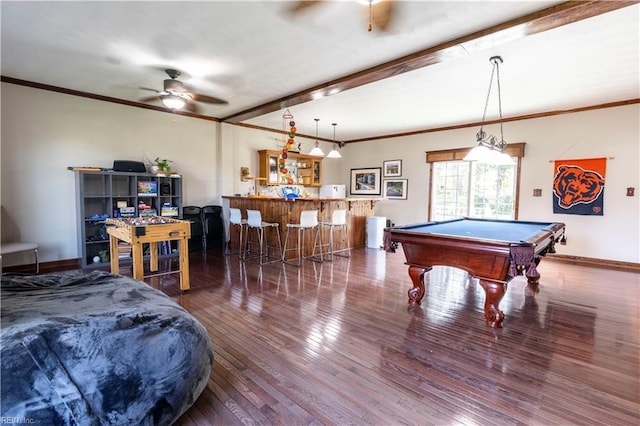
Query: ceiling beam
[546, 19]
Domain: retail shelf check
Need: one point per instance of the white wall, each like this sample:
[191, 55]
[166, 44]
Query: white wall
[240, 147]
[44, 132]
[612, 132]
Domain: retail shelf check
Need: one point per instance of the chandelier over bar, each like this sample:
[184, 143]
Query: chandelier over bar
[490, 149]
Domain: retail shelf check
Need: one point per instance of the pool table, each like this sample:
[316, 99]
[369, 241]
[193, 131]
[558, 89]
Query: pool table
[494, 251]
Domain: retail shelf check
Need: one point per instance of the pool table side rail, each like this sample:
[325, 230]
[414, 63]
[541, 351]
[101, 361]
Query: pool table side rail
[532, 239]
[483, 258]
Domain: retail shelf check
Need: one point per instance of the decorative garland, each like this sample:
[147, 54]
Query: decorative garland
[287, 146]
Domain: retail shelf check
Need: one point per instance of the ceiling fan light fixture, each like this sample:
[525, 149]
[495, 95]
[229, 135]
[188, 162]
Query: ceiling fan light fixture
[172, 101]
[316, 148]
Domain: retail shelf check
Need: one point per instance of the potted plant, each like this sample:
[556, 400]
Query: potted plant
[162, 165]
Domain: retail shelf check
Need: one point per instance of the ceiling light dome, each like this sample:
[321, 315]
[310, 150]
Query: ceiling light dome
[172, 101]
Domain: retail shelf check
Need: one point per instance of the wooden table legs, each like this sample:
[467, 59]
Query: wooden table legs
[494, 291]
[138, 260]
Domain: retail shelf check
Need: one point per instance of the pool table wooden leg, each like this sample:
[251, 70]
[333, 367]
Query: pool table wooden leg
[533, 278]
[493, 295]
[417, 277]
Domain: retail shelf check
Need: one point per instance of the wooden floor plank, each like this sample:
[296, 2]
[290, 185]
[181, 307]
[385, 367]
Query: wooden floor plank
[336, 343]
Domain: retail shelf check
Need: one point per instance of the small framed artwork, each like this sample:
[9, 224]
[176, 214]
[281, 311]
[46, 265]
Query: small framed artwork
[365, 181]
[395, 189]
[392, 168]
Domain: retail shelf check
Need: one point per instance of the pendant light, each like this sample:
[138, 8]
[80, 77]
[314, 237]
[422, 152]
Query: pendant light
[316, 149]
[334, 152]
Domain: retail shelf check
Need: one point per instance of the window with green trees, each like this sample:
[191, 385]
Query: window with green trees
[460, 188]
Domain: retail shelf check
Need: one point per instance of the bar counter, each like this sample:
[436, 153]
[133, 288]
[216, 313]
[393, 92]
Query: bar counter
[285, 211]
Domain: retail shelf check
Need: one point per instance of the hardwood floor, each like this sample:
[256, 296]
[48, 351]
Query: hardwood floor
[336, 343]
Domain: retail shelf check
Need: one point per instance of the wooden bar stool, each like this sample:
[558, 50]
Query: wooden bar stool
[308, 221]
[339, 223]
[254, 222]
[236, 221]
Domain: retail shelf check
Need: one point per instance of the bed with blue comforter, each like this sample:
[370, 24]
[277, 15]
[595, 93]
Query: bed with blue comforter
[97, 349]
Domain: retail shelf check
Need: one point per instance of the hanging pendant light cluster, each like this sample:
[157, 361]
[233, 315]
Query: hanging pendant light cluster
[334, 153]
[489, 149]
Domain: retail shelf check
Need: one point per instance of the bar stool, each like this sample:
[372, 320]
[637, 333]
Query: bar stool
[236, 221]
[338, 222]
[308, 221]
[254, 221]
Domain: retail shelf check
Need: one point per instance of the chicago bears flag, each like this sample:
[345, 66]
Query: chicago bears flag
[578, 186]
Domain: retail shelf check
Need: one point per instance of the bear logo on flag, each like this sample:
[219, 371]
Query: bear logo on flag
[574, 185]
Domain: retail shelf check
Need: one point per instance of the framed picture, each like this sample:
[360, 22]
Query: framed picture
[392, 168]
[395, 189]
[365, 181]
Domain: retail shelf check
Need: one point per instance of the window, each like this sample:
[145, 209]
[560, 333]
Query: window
[461, 188]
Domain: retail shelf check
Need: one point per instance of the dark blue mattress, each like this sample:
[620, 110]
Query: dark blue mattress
[97, 349]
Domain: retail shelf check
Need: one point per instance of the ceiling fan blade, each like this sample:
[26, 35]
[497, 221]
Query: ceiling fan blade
[191, 107]
[149, 99]
[383, 14]
[302, 6]
[149, 89]
[208, 99]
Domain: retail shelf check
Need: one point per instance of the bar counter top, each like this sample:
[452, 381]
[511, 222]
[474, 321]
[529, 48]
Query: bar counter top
[283, 211]
[264, 197]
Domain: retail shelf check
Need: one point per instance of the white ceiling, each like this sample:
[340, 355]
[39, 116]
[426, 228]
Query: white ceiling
[253, 52]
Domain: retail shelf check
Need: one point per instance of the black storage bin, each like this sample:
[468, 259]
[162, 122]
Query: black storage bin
[194, 215]
[213, 226]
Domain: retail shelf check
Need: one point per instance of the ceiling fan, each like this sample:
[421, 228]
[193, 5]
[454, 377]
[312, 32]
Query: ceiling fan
[381, 12]
[176, 95]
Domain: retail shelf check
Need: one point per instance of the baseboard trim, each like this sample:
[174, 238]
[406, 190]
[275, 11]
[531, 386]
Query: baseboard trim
[69, 264]
[598, 263]
[46, 267]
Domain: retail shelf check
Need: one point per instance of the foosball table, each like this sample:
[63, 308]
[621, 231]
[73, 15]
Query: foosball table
[151, 230]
